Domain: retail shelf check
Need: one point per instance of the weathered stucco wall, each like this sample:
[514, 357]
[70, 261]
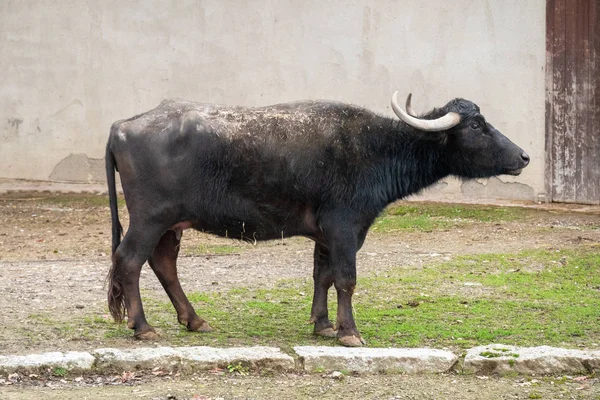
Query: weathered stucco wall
[71, 68]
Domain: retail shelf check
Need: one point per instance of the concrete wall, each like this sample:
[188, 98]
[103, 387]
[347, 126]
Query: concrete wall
[71, 68]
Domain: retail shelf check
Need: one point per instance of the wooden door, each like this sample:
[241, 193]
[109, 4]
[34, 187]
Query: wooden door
[573, 101]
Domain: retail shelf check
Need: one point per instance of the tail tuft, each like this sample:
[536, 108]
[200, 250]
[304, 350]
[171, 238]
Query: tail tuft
[116, 298]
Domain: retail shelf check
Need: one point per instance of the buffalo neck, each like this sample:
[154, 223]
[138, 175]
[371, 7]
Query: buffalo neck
[411, 160]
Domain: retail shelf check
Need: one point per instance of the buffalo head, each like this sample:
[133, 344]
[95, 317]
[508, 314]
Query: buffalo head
[475, 148]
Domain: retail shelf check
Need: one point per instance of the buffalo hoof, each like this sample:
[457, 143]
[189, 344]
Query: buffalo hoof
[327, 332]
[199, 326]
[352, 341]
[148, 335]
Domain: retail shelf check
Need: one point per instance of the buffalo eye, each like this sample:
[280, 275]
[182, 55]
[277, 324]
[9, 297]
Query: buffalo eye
[475, 126]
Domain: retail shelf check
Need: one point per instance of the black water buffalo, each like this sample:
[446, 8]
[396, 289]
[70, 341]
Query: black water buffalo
[318, 169]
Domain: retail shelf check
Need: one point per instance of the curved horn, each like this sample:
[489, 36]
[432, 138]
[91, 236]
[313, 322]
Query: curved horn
[408, 107]
[448, 121]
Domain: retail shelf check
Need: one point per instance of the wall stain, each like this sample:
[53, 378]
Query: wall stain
[494, 187]
[15, 122]
[79, 168]
[11, 129]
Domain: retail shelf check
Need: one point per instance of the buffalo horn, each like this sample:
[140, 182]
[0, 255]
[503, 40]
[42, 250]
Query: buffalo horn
[409, 108]
[448, 121]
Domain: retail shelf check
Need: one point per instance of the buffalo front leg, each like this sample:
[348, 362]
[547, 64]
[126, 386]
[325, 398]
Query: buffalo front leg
[164, 264]
[342, 261]
[323, 279]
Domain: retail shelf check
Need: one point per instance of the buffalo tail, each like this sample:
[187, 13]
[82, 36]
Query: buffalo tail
[116, 298]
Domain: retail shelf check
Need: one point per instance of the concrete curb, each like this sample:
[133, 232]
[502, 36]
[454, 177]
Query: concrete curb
[542, 360]
[169, 358]
[371, 360]
[483, 360]
[71, 361]
[193, 358]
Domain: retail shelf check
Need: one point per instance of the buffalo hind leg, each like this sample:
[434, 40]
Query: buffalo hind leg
[164, 264]
[124, 290]
[323, 280]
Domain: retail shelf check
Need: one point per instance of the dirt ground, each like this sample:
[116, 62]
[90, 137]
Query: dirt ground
[54, 256]
[220, 386]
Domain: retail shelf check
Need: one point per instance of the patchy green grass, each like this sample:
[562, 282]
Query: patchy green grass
[534, 297]
[470, 212]
[430, 216]
[495, 354]
[77, 200]
[59, 372]
[529, 298]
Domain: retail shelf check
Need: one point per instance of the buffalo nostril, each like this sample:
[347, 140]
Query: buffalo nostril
[525, 157]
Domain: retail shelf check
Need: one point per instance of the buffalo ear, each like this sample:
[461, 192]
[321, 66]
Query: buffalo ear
[437, 137]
